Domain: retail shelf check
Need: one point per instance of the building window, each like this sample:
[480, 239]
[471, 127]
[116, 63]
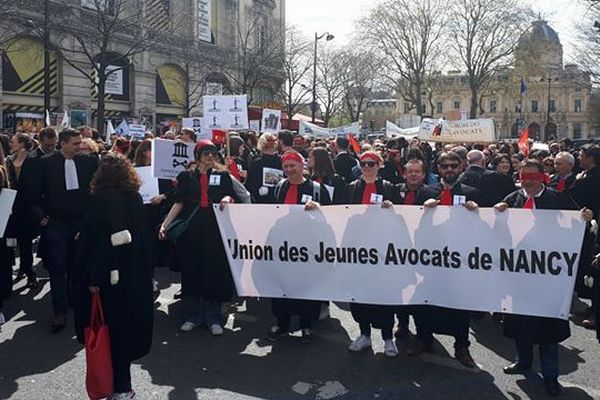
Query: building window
[552, 106]
[577, 105]
[493, 106]
[577, 133]
[456, 105]
[534, 106]
[439, 107]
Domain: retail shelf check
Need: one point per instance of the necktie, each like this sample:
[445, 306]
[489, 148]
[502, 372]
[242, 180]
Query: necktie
[529, 203]
[410, 198]
[561, 185]
[446, 197]
[204, 201]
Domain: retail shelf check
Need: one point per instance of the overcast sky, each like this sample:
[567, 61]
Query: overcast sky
[339, 16]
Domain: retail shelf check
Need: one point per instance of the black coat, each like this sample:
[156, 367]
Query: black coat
[493, 186]
[338, 183]
[344, 165]
[390, 172]
[536, 330]
[128, 305]
[435, 191]
[355, 191]
[568, 184]
[200, 251]
[306, 188]
[254, 179]
[403, 190]
[586, 190]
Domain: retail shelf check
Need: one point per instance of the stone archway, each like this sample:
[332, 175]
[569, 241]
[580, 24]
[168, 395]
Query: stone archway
[534, 131]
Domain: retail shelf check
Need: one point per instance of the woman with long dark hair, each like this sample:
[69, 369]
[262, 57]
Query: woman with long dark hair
[116, 263]
[323, 172]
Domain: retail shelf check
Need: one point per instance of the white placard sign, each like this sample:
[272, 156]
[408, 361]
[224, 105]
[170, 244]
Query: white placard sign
[170, 157]
[149, 188]
[516, 262]
[7, 199]
[225, 113]
[468, 131]
[271, 120]
[137, 131]
[254, 125]
[196, 125]
[312, 130]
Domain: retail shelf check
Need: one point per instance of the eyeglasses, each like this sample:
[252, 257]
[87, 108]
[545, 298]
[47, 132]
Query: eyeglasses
[370, 164]
[446, 166]
[209, 153]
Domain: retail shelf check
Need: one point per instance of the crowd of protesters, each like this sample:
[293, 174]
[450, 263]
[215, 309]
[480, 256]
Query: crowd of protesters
[78, 202]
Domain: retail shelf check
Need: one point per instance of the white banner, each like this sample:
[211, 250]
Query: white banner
[170, 157]
[225, 113]
[7, 199]
[392, 130]
[310, 129]
[204, 20]
[519, 261]
[468, 131]
[149, 188]
[137, 131]
[271, 120]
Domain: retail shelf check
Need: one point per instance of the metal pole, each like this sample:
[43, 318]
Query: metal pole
[314, 88]
[46, 56]
[548, 111]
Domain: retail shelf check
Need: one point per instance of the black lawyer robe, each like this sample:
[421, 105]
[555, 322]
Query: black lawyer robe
[254, 179]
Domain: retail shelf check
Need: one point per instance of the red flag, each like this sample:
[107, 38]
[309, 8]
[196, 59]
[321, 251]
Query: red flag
[354, 143]
[234, 170]
[524, 142]
[219, 137]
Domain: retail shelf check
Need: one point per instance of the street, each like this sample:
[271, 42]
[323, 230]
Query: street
[241, 364]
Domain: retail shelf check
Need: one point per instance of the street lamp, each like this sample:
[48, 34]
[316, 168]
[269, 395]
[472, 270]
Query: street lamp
[318, 37]
[548, 110]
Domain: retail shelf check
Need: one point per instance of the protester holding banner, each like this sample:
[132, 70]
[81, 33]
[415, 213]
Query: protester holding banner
[265, 171]
[206, 278]
[528, 330]
[322, 171]
[295, 189]
[60, 202]
[372, 190]
[429, 319]
[118, 266]
[414, 176]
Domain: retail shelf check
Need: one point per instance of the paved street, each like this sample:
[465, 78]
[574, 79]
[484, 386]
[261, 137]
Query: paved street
[35, 364]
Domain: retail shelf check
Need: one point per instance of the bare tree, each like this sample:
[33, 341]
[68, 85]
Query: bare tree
[408, 35]
[296, 67]
[257, 56]
[101, 38]
[588, 43]
[330, 84]
[484, 34]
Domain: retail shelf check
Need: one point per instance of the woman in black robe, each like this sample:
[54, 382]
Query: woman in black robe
[116, 262]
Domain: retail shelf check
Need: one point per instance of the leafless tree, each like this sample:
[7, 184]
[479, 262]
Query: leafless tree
[408, 35]
[257, 56]
[588, 44]
[330, 85]
[484, 34]
[297, 64]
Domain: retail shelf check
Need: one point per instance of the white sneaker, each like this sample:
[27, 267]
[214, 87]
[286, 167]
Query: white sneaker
[389, 348]
[360, 343]
[188, 326]
[2, 318]
[216, 330]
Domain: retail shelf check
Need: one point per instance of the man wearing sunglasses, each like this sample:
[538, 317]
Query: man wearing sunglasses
[430, 319]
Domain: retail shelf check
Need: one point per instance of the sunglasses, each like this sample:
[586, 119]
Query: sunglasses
[446, 166]
[209, 153]
[370, 164]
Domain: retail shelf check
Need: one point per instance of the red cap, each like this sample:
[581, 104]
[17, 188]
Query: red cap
[370, 155]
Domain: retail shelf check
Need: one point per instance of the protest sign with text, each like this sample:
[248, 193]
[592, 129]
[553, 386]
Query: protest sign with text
[468, 131]
[225, 112]
[149, 187]
[519, 261]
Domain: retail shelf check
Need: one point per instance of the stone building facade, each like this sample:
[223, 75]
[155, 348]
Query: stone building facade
[154, 87]
[555, 104]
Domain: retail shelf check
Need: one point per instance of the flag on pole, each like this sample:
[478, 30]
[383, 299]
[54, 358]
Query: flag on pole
[219, 137]
[523, 87]
[354, 143]
[524, 142]
[47, 117]
[66, 121]
[123, 129]
[109, 131]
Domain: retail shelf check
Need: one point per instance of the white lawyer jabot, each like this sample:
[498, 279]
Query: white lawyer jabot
[71, 180]
[120, 238]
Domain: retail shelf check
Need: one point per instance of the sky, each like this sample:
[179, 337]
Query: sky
[338, 17]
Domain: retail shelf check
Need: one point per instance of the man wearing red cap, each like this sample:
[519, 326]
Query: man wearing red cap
[295, 189]
[430, 319]
[371, 189]
[528, 331]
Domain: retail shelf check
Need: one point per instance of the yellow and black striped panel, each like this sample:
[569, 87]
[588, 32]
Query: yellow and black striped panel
[23, 68]
[107, 97]
[158, 14]
[21, 108]
[170, 85]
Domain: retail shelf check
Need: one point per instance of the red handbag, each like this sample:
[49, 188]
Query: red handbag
[99, 372]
